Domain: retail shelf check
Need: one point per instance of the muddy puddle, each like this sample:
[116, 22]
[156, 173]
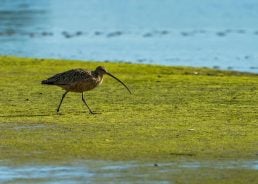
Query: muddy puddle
[115, 172]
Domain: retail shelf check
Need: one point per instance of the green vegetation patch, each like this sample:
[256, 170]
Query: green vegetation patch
[173, 113]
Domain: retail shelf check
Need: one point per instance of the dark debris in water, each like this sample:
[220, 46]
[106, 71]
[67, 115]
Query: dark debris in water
[164, 32]
[116, 33]
[186, 34]
[254, 67]
[47, 33]
[221, 34]
[216, 67]
[241, 31]
[78, 33]
[155, 33]
[147, 35]
[98, 33]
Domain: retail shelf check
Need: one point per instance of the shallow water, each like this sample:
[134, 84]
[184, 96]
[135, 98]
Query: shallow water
[196, 33]
[110, 171]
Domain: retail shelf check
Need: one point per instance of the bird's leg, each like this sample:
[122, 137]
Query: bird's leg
[84, 101]
[61, 101]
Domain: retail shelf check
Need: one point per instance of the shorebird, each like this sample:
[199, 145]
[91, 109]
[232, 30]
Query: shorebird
[78, 81]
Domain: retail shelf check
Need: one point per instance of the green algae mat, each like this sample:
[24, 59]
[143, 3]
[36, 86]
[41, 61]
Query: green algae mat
[173, 113]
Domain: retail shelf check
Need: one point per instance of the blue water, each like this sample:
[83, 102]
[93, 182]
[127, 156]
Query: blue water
[91, 171]
[212, 33]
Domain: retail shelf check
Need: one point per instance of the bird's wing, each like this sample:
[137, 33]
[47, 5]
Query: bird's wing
[70, 77]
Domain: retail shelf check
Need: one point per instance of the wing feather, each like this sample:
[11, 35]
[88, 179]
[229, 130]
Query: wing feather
[69, 77]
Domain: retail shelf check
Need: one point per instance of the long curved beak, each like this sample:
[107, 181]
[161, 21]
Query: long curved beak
[119, 81]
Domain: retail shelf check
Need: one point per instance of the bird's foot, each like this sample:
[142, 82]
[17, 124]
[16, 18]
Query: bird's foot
[91, 112]
[58, 113]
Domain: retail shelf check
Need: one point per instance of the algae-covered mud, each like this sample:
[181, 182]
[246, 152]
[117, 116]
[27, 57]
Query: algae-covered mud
[198, 121]
[172, 112]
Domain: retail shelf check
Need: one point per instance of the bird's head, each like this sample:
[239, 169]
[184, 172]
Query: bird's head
[101, 70]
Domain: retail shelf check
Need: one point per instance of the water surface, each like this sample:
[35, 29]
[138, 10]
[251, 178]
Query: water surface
[220, 34]
[118, 172]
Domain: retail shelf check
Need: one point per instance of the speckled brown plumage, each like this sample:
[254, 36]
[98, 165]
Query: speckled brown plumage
[76, 80]
[79, 80]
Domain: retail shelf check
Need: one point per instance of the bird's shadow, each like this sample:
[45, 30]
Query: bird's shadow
[24, 115]
[45, 115]
[79, 113]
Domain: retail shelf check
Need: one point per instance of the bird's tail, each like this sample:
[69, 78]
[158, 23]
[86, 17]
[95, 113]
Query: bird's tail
[47, 82]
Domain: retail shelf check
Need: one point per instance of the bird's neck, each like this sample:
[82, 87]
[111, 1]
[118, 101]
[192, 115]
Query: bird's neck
[98, 75]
